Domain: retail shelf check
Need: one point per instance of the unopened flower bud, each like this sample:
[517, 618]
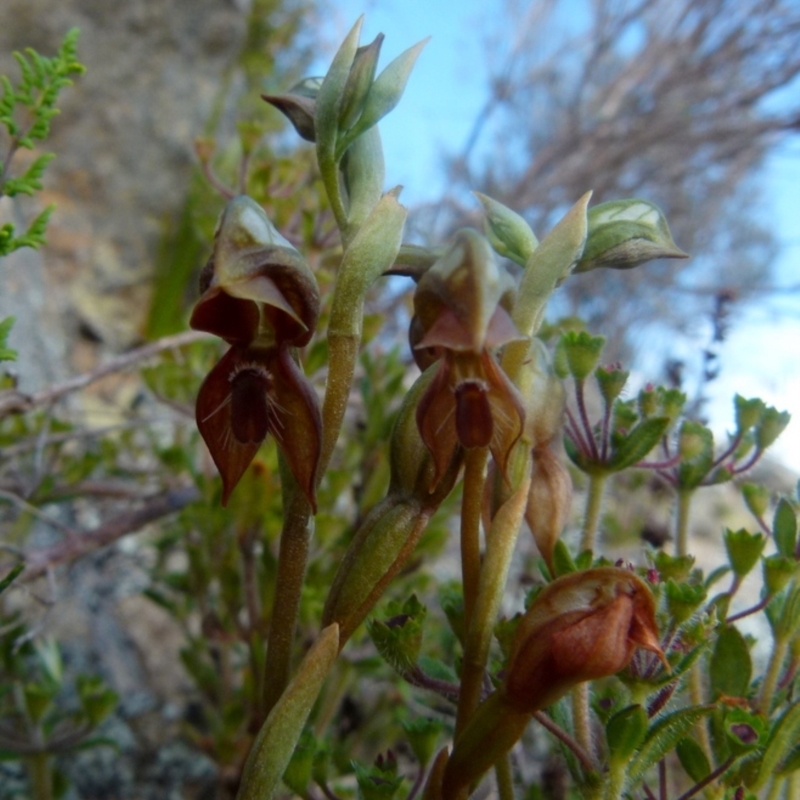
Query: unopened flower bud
[298, 106]
[543, 394]
[549, 501]
[626, 233]
[583, 626]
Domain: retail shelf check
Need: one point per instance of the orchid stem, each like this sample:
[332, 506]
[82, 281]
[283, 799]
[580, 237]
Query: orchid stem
[594, 504]
[505, 778]
[292, 560]
[471, 501]
[581, 720]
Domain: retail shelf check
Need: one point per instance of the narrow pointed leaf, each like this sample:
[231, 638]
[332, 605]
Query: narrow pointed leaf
[638, 443]
[275, 743]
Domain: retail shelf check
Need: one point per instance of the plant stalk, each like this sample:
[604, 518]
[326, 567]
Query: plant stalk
[594, 505]
[471, 502]
[682, 522]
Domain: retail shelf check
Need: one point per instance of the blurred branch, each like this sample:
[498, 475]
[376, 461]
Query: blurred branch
[15, 402]
[38, 562]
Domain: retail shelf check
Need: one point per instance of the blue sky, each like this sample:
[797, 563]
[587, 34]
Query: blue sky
[443, 97]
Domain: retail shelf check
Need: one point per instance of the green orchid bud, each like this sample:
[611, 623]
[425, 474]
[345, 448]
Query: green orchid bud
[359, 81]
[582, 352]
[772, 425]
[508, 233]
[744, 550]
[384, 94]
[298, 106]
[624, 234]
[748, 412]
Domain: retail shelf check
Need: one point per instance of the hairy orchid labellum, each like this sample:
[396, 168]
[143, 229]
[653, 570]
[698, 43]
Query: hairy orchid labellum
[460, 319]
[259, 295]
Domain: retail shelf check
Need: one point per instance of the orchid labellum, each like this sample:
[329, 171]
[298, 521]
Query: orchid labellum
[259, 295]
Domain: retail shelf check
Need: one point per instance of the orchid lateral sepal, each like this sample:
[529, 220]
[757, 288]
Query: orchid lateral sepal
[252, 392]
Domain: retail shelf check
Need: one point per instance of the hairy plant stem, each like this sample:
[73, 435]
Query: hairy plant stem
[697, 694]
[594, 505]
[471, 502]
[581, 719]
[682, 521]
[342, 357]
[292, 561]
[500, 542]
[505, 778]
[776, 660]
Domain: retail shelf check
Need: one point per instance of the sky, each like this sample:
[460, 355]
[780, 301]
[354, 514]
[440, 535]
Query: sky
[444, 95]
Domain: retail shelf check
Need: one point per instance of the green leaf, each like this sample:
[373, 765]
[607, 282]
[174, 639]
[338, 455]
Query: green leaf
[778, 570]
[399, 638]
[748, 412]
[772, 425]
[626, 731]
[275, 743]
[638, 443]
[664, 736]
[11, 577]
[730, 668]
[562, 560]
[784, 527]
[783, 738]
[693, 759]
[331, 94]
[6, 353]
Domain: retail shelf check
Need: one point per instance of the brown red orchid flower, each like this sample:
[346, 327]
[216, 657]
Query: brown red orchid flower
[460, 319]
[259, 295]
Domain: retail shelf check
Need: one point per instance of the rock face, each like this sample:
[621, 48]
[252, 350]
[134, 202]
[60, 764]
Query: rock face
[124, 155]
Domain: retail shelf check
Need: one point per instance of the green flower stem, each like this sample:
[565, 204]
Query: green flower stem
[500, 542]
[471, 502]
[682, 521]
[292, 561]
[40, 776]
[774, 670]
[617, 776]
[581, 719]
[505, 778]
[698, 696]
[342, 357]
[594, 504]
[371, 252]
